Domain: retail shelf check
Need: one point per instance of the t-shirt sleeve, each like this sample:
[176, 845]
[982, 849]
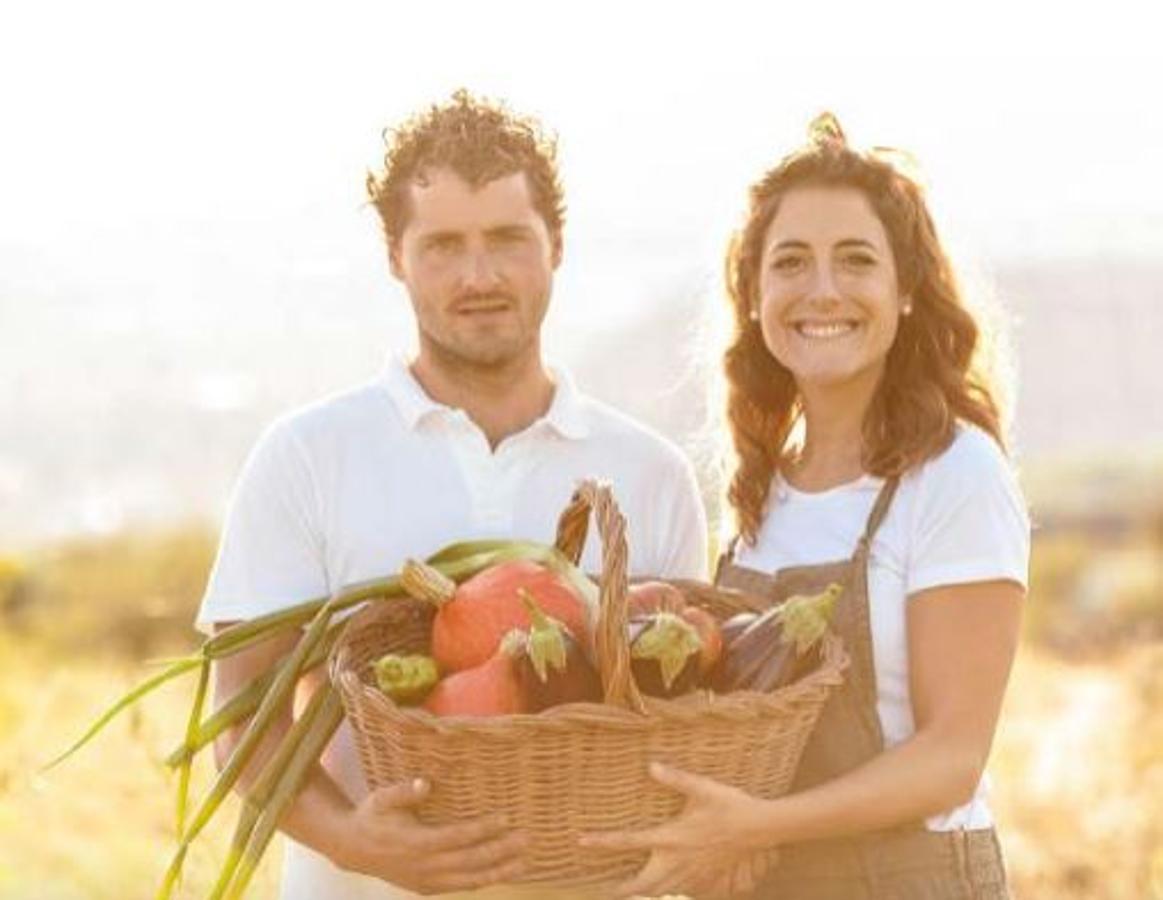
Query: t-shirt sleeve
[270, 555]
[970, 523]
[682, 542]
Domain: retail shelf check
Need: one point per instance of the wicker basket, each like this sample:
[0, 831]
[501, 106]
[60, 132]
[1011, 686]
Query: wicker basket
[578, 767]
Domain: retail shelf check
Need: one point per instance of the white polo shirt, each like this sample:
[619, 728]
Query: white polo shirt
[348, 488]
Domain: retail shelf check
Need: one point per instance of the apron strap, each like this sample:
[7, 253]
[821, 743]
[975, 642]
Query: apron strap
[726, 557]
[877, 516]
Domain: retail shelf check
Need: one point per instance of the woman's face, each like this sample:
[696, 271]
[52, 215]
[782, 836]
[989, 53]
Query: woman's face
[829, 303]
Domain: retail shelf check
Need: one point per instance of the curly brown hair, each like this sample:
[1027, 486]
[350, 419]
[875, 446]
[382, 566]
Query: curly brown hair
[932, 377]
[480, 140]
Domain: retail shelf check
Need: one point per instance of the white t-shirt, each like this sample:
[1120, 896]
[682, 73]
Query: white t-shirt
[347, 489]
[958, 518]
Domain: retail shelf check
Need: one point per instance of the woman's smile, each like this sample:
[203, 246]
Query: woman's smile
[825, 330]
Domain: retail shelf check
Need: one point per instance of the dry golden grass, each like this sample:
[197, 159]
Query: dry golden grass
[1077, 765]
[101, 825]
[1078, 783]
[1078, 777]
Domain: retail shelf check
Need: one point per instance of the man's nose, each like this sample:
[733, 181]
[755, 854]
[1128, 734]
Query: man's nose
[480, 273]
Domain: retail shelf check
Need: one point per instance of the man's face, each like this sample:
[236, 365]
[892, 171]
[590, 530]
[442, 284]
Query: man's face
[478, 264]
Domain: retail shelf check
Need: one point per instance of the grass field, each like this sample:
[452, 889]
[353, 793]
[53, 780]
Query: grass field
[1077, 766]
[101, 825]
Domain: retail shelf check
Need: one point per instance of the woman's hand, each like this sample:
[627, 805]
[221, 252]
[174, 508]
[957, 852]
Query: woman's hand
[715, 847]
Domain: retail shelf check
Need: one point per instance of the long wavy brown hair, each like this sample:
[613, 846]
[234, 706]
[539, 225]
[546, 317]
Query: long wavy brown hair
[932, 377]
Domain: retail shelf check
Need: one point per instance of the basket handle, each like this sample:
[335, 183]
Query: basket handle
[611, 640]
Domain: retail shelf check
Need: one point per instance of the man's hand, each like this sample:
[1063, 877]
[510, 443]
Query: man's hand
[383, 838]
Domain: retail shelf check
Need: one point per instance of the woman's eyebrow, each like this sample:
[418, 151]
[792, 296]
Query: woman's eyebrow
[845, 243]
[857, 242]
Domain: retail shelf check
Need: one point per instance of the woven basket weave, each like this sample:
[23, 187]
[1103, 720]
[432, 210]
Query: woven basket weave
[583, 766]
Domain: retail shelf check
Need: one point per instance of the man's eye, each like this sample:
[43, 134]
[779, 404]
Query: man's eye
[859, 260]
[787, 264]
[443, 244]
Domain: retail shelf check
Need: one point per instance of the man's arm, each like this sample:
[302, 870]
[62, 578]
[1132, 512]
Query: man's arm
[683, 542]
[379, 836]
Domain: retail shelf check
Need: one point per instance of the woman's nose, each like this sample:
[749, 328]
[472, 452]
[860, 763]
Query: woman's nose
[822, 288]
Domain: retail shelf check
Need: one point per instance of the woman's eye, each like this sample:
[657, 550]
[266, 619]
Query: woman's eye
[859, 260]
[787, 264]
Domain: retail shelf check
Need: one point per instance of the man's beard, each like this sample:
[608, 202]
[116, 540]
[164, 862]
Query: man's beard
[485, 345]
[481, 351]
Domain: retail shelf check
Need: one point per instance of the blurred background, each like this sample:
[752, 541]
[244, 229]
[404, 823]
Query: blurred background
[185, 253]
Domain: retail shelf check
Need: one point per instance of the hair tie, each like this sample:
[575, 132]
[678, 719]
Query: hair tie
[824, 130]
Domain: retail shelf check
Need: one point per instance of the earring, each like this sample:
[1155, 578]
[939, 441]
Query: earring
[907, 308]
[753, 315]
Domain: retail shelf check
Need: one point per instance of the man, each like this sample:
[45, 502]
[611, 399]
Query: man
[475, 437]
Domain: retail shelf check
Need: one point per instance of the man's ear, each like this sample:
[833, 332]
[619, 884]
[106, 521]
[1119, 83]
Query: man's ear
[557, 252]
[394, 262]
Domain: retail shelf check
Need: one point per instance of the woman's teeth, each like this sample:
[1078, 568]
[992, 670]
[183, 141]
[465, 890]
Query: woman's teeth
[824, 329]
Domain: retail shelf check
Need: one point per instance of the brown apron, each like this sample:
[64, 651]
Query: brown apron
[903, 863]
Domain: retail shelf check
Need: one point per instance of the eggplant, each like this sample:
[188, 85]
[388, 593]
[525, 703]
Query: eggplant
[665, 652]
[777, 647]
[736, 625]
[734, 666]
[551, 665]
[749, 639]
[648, 598]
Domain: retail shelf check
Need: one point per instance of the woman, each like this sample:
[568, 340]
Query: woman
[851, 333]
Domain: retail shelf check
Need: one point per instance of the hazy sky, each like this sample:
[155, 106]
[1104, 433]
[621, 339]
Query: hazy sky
[184, 251]
[1035, 125]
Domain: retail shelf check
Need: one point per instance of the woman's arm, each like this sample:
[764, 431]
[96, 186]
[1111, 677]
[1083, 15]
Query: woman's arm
[962, 641]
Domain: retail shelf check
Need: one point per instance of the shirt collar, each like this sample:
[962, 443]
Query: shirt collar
[407, 395]
[565, 414]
